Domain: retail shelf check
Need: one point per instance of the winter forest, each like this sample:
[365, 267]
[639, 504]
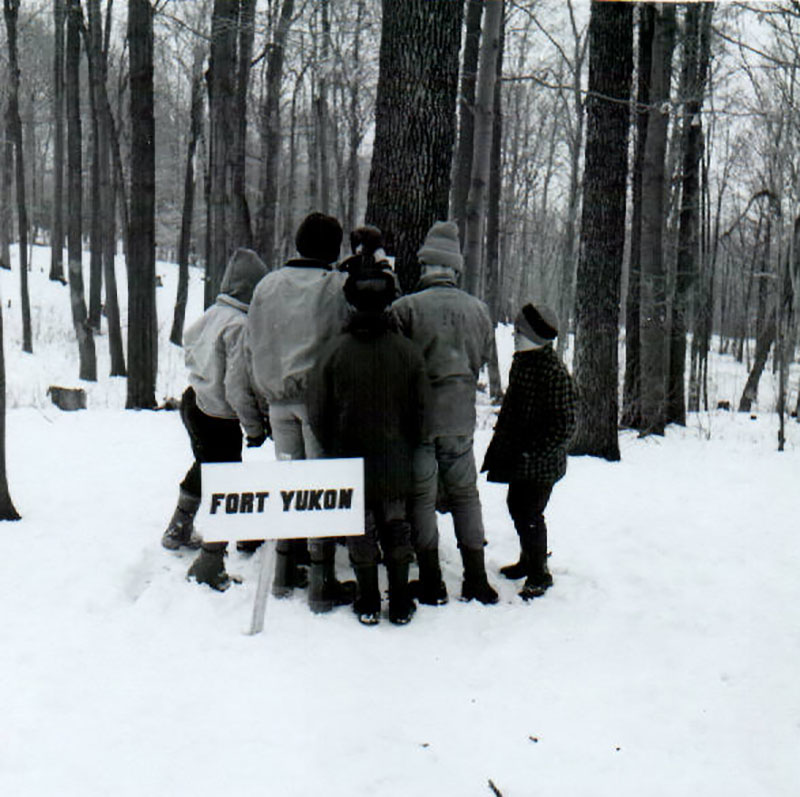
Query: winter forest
[633, 165]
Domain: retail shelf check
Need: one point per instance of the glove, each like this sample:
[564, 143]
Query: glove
[256, 441]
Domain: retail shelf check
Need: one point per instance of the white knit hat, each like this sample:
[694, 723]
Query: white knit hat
[442, 247]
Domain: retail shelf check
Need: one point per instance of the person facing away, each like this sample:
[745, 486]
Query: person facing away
[455, 333]
[218, 401]
[295, 310]
[528, 450]
[366, 399]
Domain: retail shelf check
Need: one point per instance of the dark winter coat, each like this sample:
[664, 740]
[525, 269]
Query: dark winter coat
[456, 335]
[536, 422]
[366, 399]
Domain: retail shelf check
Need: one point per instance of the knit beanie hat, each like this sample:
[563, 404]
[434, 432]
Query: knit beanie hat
[538, 323]
[442, 247]
[370, 290]
[319, 237]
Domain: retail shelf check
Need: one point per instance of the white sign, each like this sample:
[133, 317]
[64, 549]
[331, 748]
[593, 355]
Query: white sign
[282, 500]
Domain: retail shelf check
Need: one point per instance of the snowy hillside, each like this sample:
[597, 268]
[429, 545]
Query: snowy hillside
[662, 663]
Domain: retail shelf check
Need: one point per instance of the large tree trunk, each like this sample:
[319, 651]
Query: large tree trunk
[93, 36]
[603, 228]
[409, 183]
[142, 322]
[355, 124]
[7, 510]
[271, 139]
[693, 79]
[653, 299]
[86, 351]
[482, 152]
[184, 244]
[632, 385]
[462, 168]
[222, 117]
[321, 108]
[14, 127]
[57, 231]
[6, 180]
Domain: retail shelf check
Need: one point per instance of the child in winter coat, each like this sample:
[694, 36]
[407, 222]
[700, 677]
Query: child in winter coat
[218, 400]
[366, 399]
[529, 448]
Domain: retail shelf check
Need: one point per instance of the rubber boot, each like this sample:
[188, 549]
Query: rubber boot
[209, 567]
[324, 591]
[475, 584]
[430, 589]
[180, 531]
[518, 569]
[367, 605]
[401, 605]
[288, 574]
[538, 578]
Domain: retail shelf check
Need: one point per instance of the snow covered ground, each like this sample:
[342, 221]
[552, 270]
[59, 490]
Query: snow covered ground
[664, 660]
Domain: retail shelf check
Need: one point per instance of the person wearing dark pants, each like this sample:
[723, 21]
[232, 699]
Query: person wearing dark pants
[528, 450]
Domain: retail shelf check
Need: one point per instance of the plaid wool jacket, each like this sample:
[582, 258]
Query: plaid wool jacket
[536, 421]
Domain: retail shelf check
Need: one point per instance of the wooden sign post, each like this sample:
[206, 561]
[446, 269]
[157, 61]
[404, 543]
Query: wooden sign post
[280, 500]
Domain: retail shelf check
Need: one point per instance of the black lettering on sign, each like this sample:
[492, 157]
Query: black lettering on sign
[346, 498]
[329, 501]
[315, 496]
[231, 503]
[246, 504]
[301, 500]
[216, 500]
[261, 498]
[287, 499]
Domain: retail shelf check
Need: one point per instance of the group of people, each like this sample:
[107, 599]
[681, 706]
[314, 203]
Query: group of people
[330, 361]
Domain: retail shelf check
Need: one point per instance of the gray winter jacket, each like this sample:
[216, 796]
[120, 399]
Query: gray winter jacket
[294, 312]
[214, 348]
[455, 332]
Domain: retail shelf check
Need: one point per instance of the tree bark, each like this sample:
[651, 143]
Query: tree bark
[603, 228]
[142, 322]
[86, 350]
[409, 183]
[653, 300]
[7, 509]
[57, 231]
[482, 152]
[241, 228]
[14, 126]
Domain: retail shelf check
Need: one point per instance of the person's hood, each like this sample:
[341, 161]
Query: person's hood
[243, 272]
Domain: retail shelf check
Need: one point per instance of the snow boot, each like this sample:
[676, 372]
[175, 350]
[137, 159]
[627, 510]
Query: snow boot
[539, 579]
[475, 584]
[288, 574]
[324, 591]
[367, 605]
[430, 589]
[209, 567]
[180, 531]
[518, 569]
[401, 604]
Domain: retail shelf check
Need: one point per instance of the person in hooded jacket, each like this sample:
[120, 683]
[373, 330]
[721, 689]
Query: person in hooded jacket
[295, 310]
[216, 405]
[366, 399]
[456, 335]
[528, 450]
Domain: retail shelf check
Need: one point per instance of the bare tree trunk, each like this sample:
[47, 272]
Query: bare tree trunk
[653, 320]
[14, 127]
[409, 183]
[184, 244]
[6, 180]
[7, 509]
[142, 321]
[57, 231]
[482, 152]
[271, 138]
[86, 351]
[462, 172]
[603, 229]
[321, 107]
[354, 124]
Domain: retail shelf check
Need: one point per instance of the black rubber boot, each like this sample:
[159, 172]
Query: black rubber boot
[180, 531]
[475, 584]
[209, 567]
[367, 605]
[324, 591]
[539, 579]
[288, 574]
[430, 589]
[518, 569]
[401, 605]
